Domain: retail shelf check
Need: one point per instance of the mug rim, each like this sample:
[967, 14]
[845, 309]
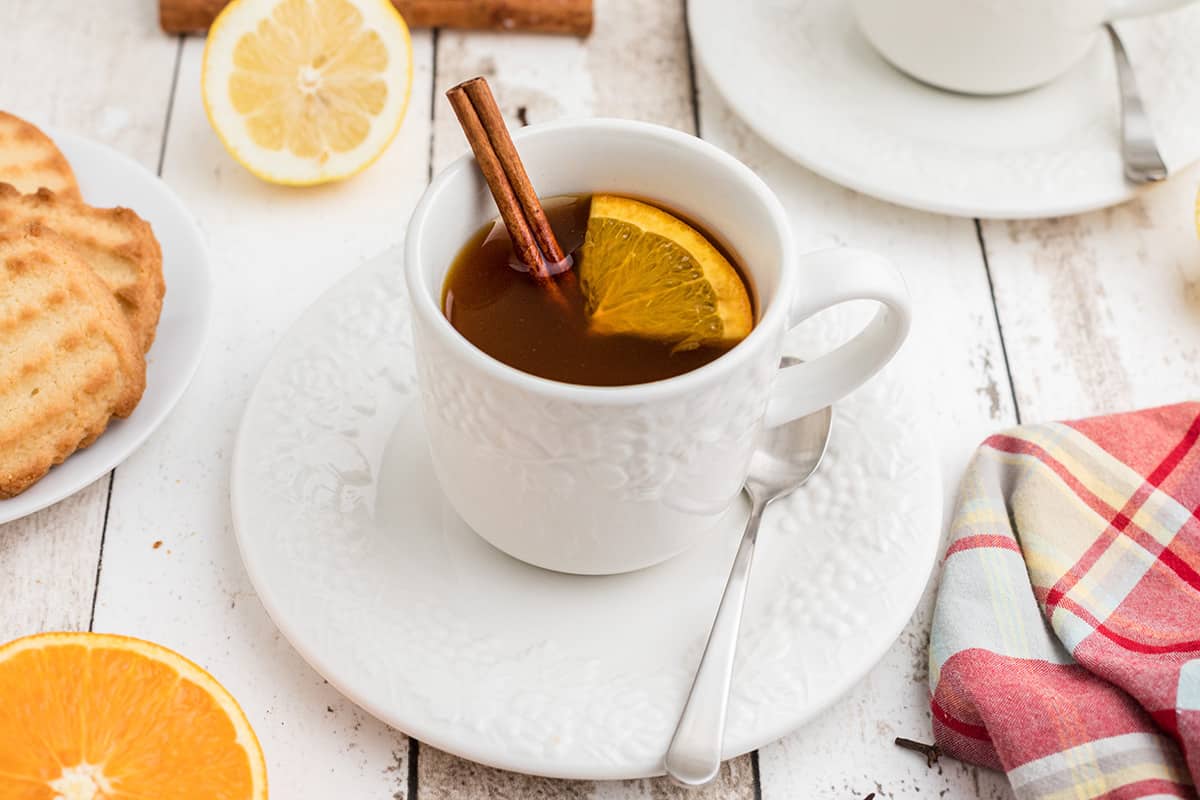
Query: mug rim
[425, 306]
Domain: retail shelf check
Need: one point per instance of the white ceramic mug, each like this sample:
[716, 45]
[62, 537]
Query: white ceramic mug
[991, 46]
[600, 480]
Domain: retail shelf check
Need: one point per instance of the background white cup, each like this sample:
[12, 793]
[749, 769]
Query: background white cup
[610, 479]
[991, 46]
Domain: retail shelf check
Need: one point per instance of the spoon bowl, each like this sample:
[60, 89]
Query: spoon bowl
[787, 456]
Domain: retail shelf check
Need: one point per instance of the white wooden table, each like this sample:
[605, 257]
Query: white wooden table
[1015, 321]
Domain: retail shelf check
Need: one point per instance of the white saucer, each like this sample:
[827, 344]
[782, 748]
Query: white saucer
[371, 576]
[803, 77]
[108, 178]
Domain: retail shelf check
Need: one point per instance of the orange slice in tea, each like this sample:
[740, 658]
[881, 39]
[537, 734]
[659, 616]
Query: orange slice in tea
[646, 273]
[88, 716]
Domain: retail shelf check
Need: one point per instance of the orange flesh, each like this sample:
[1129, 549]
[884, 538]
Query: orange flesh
[105, 719]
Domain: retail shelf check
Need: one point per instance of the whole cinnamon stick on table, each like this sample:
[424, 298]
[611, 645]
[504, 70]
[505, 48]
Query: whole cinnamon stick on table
[573, 17]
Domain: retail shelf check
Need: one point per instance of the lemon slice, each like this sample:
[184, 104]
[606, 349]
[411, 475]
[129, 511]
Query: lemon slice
[307, 91]
[646, 273]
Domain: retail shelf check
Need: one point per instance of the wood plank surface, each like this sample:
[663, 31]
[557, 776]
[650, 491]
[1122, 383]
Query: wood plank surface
[1101, 312]
[446, 777]
[274, 250]
[117, 95]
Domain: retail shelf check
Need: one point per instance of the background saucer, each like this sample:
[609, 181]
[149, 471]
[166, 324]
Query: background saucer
[371, 576]
[108, 178]
[813, 87]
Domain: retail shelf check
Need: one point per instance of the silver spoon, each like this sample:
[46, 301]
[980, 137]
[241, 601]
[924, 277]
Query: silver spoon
[785, 458]
[1143, 164]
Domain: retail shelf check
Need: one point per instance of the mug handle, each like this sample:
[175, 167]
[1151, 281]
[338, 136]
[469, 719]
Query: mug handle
[1137, 8]
[843, 274]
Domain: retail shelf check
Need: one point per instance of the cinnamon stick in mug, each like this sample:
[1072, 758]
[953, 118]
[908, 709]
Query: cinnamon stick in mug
[533, 240]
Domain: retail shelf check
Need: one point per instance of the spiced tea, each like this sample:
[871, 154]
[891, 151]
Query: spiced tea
[647, 296]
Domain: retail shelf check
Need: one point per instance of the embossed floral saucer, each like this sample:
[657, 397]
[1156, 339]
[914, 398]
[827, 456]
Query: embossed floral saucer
[813, 87]
[371, 576]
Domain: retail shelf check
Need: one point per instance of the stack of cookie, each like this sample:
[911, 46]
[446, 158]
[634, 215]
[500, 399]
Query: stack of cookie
[80, 293]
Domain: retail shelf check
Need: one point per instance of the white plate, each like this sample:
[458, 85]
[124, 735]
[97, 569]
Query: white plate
[108, 178]
[371, 576]
[803, 77]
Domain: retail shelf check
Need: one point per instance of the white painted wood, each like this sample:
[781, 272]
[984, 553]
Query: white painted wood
[1101, 312]
[274, 249]
[48, 565]
[955, 359]
[101, 69]
[635, 65]
[446, 777]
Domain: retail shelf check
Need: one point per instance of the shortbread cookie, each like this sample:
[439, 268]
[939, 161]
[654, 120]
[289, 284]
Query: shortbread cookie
[29, 160]
[71, 359]
[117, 243]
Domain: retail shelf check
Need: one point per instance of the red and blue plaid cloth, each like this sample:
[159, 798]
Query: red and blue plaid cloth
[1066, 639]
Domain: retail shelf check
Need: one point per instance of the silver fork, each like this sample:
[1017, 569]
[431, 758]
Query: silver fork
[1143, 164]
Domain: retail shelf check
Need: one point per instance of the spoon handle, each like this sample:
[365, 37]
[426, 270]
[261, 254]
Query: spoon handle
[694, 755]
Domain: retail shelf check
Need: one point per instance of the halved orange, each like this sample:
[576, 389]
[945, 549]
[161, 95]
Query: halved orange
[89, 716]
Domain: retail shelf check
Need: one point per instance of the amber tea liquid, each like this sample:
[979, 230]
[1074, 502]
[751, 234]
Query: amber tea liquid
[507, 315]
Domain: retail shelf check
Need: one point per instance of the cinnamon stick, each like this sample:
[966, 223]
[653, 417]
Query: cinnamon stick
[532, 237]
[480, 93]
[524, 245]
[571, 17]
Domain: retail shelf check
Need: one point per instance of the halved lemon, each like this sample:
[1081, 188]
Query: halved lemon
[647, 273]
[89, 716]
[307, 91]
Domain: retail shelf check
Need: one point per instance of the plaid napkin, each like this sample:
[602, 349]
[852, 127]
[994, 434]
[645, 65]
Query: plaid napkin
[1066, 638]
